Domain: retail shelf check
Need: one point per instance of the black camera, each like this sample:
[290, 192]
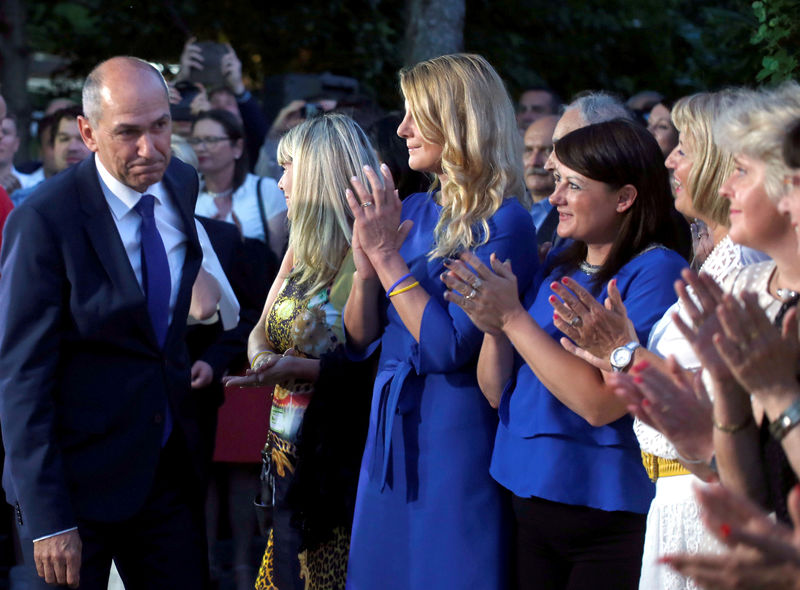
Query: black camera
[311, 110]
[182, 111]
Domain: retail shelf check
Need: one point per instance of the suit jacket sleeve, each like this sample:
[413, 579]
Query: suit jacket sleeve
[33, 291]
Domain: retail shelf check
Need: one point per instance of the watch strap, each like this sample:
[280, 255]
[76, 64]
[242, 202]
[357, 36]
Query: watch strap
[787, 420]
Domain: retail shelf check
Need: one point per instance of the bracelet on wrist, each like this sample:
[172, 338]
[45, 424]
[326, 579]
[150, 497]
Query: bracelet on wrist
[258, 356]
[391, 289]
[733, 428]
[787, 420]
[690, 461]
[404, 289]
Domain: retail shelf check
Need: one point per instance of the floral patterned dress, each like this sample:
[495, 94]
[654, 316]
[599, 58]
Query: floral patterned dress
[310, 325]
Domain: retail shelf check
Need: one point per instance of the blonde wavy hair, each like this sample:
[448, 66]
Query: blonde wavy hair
[325, 152]
[460, 103]
[694, 117]
[756, 126]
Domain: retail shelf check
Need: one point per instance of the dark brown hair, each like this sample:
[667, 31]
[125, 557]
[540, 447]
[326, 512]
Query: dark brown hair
[618, 153]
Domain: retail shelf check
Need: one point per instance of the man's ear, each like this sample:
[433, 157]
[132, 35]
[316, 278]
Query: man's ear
[87, 133]
[625, 197]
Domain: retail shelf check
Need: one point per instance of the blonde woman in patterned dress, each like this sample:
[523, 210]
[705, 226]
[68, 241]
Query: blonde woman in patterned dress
[296, 347]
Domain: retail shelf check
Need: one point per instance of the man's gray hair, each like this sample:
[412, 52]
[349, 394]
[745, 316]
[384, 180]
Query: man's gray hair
[599, 107]
[91, 95]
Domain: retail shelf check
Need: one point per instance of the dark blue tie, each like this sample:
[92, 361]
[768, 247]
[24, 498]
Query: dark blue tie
[155, 269]
[156, 282]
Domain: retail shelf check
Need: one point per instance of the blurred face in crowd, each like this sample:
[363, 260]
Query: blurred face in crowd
[9, 141]
[215, 150]
[660, 126]
[588, 210]
[533, 105]
[285, 184]
[423, 156]
[790, 200]
[755, 219]
[132, 134]
[680, 162]
[567, 123]
[538, 141]
[222, 99]
[68, 146]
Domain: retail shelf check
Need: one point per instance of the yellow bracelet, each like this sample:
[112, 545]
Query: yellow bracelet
[258, 356]
[404, 289]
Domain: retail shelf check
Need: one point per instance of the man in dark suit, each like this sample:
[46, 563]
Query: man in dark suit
[98, 419]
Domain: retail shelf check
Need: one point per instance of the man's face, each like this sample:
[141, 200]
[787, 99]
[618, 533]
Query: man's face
[538, 142]
[9, 141]
[569, 122]
[132, 134]
[68, 147]
[533, 105]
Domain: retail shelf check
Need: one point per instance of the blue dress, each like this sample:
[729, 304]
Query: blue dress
[428, 514]
[569, 460]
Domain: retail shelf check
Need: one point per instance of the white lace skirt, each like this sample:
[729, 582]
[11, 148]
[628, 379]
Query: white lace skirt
[673, 526]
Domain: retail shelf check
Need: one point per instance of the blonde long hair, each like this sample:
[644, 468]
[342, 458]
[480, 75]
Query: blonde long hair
[325, 152]
[459, 102]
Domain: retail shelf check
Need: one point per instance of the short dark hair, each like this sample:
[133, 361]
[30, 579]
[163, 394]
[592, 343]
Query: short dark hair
[234, 130]
[555, 99]
[618, 153]
[71, 113]
[791, 146]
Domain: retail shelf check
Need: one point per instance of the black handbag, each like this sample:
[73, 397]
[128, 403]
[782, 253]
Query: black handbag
[265, 499]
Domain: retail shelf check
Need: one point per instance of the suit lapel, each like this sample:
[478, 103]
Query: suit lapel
[107, 244]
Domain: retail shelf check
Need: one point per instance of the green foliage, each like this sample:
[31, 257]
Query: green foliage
[672, 46]
[778, 34]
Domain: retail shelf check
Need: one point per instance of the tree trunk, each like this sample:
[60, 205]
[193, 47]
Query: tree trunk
[435, 27]
[14, 63]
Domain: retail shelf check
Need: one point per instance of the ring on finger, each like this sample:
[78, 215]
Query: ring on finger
[366, 204]
[576, 321]
[476, 284]
[470, 295]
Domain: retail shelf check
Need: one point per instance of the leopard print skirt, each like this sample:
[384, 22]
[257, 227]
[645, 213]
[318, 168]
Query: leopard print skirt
[284, 566]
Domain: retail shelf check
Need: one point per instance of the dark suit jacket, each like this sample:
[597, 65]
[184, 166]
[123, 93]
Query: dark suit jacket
[83, 383]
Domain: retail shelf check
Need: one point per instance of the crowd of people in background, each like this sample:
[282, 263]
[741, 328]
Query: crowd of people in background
[480, 344]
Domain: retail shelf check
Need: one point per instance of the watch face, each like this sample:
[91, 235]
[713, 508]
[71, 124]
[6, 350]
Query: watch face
[621, 357]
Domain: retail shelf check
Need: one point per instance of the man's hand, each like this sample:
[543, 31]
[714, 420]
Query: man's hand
[202, 374]
[58, 559]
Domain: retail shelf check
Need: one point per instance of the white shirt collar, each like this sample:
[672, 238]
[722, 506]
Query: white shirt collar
[122, 198]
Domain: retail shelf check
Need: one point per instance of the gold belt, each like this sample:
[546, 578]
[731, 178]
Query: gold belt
[660, 467]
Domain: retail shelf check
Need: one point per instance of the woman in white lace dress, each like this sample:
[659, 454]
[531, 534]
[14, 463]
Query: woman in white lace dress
[699, 168]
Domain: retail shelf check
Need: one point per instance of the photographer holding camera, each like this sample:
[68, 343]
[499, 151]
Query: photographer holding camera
[216, 67]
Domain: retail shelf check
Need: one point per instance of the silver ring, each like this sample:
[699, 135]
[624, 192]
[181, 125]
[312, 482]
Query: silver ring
[476, 284]
[366, 204]
[470, 295]
[576, 322]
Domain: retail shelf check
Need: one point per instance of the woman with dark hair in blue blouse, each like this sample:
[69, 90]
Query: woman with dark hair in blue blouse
[565, 446]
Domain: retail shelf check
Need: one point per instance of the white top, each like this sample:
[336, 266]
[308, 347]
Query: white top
[244, 210]
[28, 180]
[665, 338]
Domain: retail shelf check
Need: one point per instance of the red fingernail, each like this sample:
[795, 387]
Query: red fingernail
[725, 530]
[645, 402]
[565, 280]
[553, 285]
[555, 317]
[638, 379]
[666, 560]
[552, 299]
[641, 366]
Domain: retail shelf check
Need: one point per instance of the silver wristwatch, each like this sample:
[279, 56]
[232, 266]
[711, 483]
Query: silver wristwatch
[622, 356]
